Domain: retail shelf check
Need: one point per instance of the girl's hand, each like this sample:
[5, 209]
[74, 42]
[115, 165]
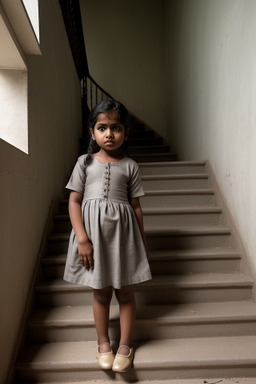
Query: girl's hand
[85, 251]
[147, 251]
[135, 203]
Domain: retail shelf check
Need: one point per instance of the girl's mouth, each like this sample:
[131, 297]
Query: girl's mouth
[109, 142]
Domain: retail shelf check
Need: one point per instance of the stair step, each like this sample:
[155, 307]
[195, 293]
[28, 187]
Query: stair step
[152, 157]
[138, 127]
[163, 237]
[154, 360]
[182, 216]
[144, 141]
[167, 262]
[164, 216]
[178, 198]
[174, 182]
[142, 149]
[187, 238]
[167, 198]
[141, 134]
[164, 289]
[172, 167]
[188, 320]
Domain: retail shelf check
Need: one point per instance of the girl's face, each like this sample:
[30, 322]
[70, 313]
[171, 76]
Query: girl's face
[108, 132]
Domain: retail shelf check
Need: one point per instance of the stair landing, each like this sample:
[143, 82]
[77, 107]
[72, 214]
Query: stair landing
[155, 359]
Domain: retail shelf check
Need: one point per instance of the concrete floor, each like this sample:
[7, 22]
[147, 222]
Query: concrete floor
[188, 381]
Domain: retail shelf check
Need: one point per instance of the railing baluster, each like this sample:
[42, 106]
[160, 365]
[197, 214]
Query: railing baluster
[91, 94]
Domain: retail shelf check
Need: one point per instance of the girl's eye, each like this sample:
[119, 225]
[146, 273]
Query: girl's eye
[101, 129]
[117, 128]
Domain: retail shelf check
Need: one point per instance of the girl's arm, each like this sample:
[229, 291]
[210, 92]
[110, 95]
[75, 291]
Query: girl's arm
[85, 248]
[135, 203]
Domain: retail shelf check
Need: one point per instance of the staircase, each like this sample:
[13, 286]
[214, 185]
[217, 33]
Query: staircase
[195, 319]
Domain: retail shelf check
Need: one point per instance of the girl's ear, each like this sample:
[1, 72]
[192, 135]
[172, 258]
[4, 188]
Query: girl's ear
[92, 133]
[127, 133]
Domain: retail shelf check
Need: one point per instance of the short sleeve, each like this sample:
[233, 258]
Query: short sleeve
[78, 177]
[134, 186]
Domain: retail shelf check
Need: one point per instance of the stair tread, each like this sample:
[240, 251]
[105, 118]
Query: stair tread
[201, 253]
[189, 313]
[179, 192]
[197, 280]
[201, 209]
[156, 354]
[155, 155]
[190, 231]
[164, 230]
[148, 192]
[154, 147]
[171, 163]
[150, 157]
[176, 176]
[165, 210]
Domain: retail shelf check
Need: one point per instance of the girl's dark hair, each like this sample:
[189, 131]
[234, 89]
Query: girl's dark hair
[107, 106]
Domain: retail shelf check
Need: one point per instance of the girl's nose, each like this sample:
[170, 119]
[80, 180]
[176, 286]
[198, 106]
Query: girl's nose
[109, 133]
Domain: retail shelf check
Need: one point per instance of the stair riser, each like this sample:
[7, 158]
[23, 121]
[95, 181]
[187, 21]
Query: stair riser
[188, 242]
[162, 295]
[155, 201]
[171, 200]
[174, 184]
[139, 373]
[180, 220]
[145, 141]
[133, 150]
[169, 267]
[144, 330]
[141, 134]
[150, 158]
[162, 220]
[174, 241]
[195, 266]
[171, 169]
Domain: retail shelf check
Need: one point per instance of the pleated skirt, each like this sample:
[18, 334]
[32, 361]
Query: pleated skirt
[119, 254]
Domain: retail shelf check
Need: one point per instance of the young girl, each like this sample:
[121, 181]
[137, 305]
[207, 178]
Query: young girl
[107, 248]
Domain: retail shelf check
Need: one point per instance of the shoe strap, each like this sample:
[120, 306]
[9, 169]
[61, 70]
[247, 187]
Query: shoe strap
[104, 342]
[126, 346]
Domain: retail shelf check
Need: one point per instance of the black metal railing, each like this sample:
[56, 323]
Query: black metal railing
[91, 91]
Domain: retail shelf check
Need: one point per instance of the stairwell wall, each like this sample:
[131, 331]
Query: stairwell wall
[125, 48]
[211, 96]
[29, 183]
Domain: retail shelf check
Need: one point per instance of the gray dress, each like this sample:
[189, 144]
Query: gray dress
[119, 254]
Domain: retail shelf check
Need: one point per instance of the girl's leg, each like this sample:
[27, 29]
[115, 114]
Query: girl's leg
[101, 303]
[127, 305]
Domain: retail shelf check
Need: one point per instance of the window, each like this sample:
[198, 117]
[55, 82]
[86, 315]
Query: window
[19, 35]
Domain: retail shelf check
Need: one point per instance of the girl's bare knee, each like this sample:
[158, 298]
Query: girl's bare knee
[103, 296]
[125, 295]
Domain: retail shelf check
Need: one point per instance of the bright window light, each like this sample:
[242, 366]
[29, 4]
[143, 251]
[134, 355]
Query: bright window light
[14, 111]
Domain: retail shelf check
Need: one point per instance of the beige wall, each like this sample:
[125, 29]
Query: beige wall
[211, 96]
[30, 182]
[125, 50]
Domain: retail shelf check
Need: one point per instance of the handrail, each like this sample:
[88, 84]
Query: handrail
[91, 91]
[72, 19]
